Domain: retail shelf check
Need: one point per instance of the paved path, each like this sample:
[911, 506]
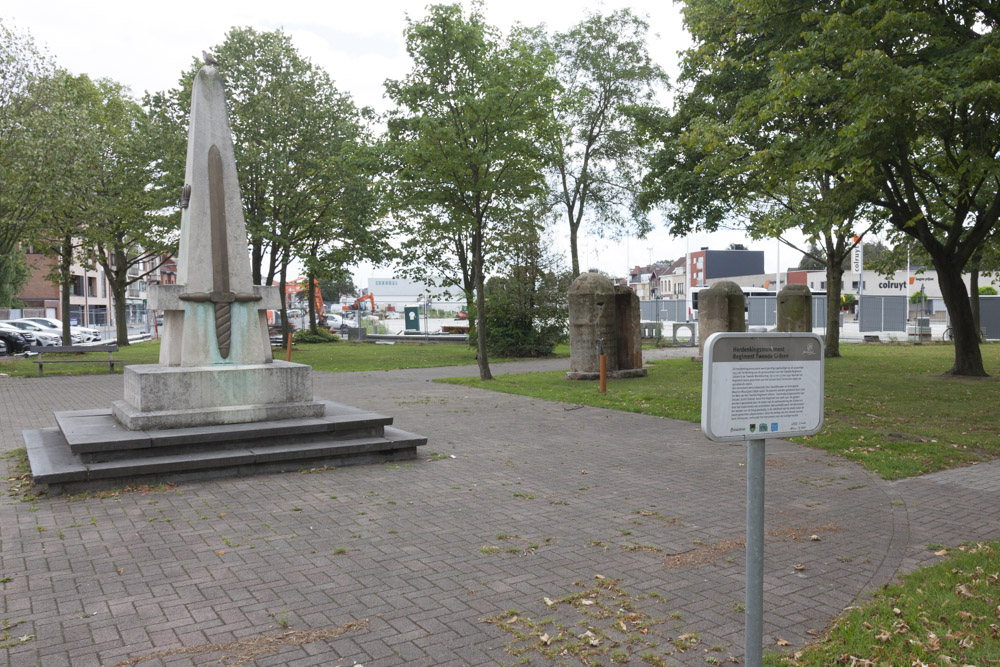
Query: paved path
[404, 564]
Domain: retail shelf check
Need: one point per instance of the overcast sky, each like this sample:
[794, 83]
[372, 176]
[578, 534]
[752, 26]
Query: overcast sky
[146, 46]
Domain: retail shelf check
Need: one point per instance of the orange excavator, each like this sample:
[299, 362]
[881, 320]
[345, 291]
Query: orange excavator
[370, 298]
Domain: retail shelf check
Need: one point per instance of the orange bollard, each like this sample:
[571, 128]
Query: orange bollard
[288, 353]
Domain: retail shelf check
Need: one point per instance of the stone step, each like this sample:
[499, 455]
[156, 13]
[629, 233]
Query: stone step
[95, 435]
[56, 467]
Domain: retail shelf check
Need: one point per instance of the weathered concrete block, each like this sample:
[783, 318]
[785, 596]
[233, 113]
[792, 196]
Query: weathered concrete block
[628, 327]
[795, 308]
[721, 307]
[591, 318]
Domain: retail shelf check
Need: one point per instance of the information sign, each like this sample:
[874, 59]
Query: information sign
[758, 386]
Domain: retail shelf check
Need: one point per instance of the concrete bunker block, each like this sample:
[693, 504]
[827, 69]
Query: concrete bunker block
[721, 307]
[591, 318]
[795, 308]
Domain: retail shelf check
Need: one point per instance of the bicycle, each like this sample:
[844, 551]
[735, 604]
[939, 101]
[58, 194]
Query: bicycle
[949, 335]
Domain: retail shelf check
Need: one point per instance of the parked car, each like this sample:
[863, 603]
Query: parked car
[15, 340]
[3, 348]
[36, 335]
[87, 334]
[32, 330]
[335, 322]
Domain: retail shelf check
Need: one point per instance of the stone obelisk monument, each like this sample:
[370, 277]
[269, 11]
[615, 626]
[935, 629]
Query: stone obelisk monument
[217, 404]
[215, 357]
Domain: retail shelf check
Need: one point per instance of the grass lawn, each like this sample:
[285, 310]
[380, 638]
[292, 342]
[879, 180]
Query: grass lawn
[334, 357]
[944, 614]
[887, 406]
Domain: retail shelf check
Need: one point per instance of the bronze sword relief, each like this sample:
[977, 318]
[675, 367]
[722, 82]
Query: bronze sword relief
[221, 296]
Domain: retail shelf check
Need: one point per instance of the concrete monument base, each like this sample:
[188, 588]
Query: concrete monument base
[217, 404]
[90, 450]
[159, 397]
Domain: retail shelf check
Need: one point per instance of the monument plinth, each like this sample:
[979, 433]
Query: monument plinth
[217, 403]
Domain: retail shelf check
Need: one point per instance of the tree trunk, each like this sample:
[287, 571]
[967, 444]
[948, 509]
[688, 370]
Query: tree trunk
[286, 328]
[574, 253]
[65, 283]
[311, 295]
[118, 288]
[834, 292]
[968, 356]
[477, 270]
[256, 260]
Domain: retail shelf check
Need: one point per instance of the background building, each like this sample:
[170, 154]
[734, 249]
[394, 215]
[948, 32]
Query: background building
[396, 293]
[708, 265]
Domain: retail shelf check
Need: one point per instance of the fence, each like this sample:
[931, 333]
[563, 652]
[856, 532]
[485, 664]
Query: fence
[989, 316]
[762, 311]
[883, 313]
[663, 310]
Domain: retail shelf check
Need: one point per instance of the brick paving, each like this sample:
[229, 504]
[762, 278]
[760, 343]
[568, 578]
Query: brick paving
[539, 499]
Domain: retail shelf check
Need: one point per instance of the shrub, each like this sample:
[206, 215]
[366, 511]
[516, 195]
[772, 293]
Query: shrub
[525, 317]
[321, 336]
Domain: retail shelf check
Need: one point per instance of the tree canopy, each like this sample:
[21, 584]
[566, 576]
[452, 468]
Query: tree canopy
[604, 67]
[36, 140]
[892, 104]
[465, 146]
[306, 182]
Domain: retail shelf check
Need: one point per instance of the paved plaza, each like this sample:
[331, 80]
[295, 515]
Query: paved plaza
[520, 518]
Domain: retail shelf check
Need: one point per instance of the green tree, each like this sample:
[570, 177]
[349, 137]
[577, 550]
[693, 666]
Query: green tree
[13, 276]
[465, 146]
[36, 143]
[527, 306]
[809, 261]
[123, 232]
[604, 67]
[306, 185]
[898, 101]
[706, 167]
[332, 288]
[62, 218]
[987, 290]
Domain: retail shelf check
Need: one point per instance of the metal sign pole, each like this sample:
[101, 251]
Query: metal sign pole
[753, 642]
[742, 373]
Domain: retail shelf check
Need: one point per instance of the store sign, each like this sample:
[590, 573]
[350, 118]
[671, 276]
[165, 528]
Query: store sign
[762, 386]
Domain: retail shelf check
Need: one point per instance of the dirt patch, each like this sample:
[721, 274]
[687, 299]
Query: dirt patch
[796, 533]
[247, 650]
[704, 554]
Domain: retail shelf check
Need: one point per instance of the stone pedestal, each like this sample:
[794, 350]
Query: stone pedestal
[721, 307]
[795, 308]
[158, 397]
